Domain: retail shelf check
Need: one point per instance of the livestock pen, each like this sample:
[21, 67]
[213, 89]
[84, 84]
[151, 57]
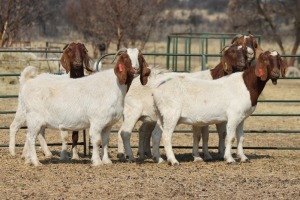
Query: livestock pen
[289, 104]
[270, 174]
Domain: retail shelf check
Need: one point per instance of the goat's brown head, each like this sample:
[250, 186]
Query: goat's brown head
[269, 66]
[234, 58]
[74, 59]
[250, 43]
[134, 62]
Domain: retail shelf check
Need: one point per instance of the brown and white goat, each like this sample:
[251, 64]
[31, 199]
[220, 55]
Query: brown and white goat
[74, 60]
[202, 102]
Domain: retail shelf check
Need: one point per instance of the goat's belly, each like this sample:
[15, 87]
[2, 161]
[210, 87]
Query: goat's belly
[200, 122]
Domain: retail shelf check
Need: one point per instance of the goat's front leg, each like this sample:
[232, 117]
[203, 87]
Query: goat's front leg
[105, 140]
[196, 140]
[231, 130]
[240, 140]
[169, 124]
[95, 137]
[64, 146]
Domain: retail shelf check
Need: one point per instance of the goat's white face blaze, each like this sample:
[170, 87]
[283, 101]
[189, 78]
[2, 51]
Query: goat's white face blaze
[250, 54]
[133, 54]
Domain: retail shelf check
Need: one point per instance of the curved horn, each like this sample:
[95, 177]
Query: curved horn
[225, 47]
[120, 50]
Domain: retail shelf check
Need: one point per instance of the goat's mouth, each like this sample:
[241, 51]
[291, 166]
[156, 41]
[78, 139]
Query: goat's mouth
[274, 76]
[136, 72]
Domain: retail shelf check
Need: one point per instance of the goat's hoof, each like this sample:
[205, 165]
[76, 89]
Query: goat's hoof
[96, 164]
[48, 155]
[107, 161]
[175, 164]
[158, 160]
[198, 159]
[140, 161]
[75, 157]
[131, 160]
[245, 160]
[37, 164]
[121, 157]
[231, 162]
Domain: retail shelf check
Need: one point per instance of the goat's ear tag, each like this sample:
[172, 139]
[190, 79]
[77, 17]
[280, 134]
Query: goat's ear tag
[260, 71]
[120, 67]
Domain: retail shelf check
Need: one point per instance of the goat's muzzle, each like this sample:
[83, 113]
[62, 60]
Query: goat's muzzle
[275, 74]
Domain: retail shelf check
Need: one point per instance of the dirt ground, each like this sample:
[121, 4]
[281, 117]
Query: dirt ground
[270, 174]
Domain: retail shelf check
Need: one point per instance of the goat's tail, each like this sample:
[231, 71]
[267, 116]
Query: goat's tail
[29, 72]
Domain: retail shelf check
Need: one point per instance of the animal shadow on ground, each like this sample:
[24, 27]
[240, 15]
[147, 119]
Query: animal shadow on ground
[55, 159]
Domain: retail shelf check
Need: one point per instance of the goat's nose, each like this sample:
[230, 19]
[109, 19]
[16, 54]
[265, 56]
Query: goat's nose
[275, 73]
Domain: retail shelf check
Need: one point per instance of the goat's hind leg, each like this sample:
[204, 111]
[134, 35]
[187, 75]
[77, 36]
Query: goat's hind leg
[15, 126]
[75, 155]
[145, 132]
[64, 146]
[34, 129]
[124, 135]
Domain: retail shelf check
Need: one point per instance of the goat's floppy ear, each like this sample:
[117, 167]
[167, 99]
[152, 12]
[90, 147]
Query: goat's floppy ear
[261, 67]
[283, 66]
[65, 62]
[144, 69]
[225, 63]
[121, 71]
[86, 59]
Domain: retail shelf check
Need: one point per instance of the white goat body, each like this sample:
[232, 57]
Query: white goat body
[76, 106]
[200, 103]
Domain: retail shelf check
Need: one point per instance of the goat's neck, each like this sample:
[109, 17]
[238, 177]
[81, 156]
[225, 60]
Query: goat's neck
[254, 84]
[218, 71]
[76, 72]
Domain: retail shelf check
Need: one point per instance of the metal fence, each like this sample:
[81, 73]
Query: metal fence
[150, 56]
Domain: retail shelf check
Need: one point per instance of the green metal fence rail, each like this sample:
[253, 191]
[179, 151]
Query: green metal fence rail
[204, 57]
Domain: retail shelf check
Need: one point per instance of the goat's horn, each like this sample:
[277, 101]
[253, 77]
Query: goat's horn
[120, 50]
[225, 47]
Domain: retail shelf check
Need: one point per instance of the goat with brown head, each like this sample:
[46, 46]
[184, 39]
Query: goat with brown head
[126, 69]
[270, 66]
[234, 58]
[250, 42]
[74, 59]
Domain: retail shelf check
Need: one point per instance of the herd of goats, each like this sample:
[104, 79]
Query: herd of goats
[224, 95]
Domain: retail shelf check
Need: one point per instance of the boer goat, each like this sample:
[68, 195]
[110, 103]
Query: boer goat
[197, 102]
[76, 104]
[74, 59]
